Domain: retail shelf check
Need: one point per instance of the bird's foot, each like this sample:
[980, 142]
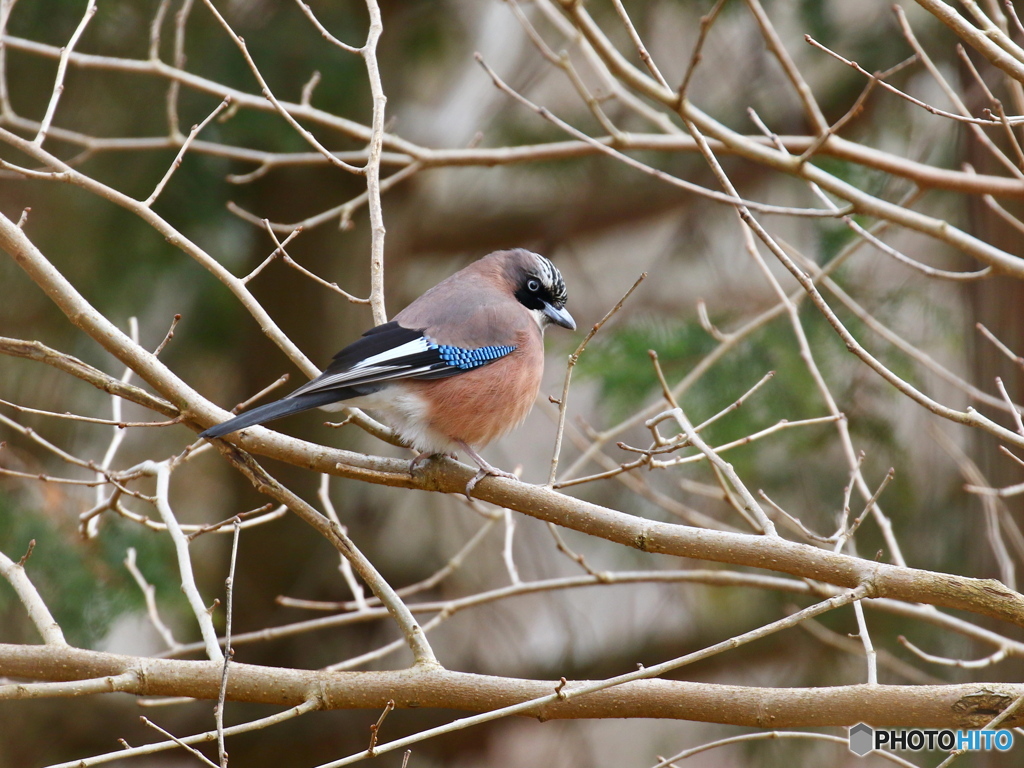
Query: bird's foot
[418, 461]
[481, 474]
[422, 458]
[485, 470]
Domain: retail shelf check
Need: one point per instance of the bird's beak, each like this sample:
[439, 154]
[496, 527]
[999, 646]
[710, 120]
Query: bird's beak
[559, 316]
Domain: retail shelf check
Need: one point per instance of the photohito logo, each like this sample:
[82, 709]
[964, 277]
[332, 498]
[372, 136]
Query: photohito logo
[865, 739]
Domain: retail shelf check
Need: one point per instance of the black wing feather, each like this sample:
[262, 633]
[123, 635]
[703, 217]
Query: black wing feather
[349, 376]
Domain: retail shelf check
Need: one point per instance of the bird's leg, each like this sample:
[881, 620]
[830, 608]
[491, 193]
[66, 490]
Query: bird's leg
[485, 469]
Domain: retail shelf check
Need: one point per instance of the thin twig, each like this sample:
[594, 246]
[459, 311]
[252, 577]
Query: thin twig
[279, 249]
[871, 504]
[155, 28]
[307, 90]
[261, 515]
[323, 30]
[88, 419]
[545, 113]
[573, 359]
[167, 336]
[62, 67]
[320, 281]
[641, 50]
[269, 96]
[962, 117]
[987, 661]
[865, 638]
[1013, 356]
[749, 502]
[507, 551]
[576, 557]
[149, 594]
[229, 652]
[180, 742]
[174, 86]
[344, 566]
[952, 95]
[181, 152]
[372, 167]
[698, 49]
[188, 584]
[842, 741]
[997, 516]
[375, 728]
[342, 212]
[1012, 407]
[1011, 137]
[886, 659]
[311, 704]
[811, 109]
[117, 438]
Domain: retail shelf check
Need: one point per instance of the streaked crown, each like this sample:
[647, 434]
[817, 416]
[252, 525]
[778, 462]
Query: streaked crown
[551, 279]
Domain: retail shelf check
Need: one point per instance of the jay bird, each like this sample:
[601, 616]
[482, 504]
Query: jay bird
[456, 369]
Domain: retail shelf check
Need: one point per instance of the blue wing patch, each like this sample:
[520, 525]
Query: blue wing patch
[467, 359]
[389, 352]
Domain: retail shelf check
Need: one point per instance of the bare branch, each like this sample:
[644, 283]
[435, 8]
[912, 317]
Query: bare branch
[196, 129]
[573, 358]
[62, 67]
[323, 31]
[372, 167]
[40, 615]
[149, 593]
[162, 472]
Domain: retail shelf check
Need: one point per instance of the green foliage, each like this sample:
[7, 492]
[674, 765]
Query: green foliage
[84, 583]
[622, 364]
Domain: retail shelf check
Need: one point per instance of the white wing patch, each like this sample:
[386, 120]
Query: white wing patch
[373, 368]
[409, 348]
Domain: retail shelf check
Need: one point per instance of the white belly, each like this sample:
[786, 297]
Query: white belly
[407, 413]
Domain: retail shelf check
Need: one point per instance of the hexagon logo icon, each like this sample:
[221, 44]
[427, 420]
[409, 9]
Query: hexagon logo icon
[862, 739]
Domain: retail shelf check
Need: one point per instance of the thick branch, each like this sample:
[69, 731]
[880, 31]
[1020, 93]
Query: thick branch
[950, 706]
[975, 37]
[983, 596]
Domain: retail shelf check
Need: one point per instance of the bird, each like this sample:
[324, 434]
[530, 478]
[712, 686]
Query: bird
[456, 369]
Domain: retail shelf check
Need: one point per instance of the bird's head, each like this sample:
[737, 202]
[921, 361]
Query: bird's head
[538, 286]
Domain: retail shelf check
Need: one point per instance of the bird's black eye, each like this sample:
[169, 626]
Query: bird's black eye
[533, 286]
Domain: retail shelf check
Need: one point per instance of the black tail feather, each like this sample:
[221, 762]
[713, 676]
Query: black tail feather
[277, 409]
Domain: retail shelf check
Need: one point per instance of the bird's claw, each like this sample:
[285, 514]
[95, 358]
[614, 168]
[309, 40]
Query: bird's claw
[481, 474]
[422, 458]
[417, 461]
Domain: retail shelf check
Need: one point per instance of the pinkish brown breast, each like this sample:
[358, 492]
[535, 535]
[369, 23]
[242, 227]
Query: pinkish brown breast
[482, 405]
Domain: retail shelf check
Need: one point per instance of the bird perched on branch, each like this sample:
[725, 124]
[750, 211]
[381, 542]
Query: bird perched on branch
[456, 369]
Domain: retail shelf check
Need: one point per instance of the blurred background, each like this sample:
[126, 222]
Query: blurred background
[603, 224]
